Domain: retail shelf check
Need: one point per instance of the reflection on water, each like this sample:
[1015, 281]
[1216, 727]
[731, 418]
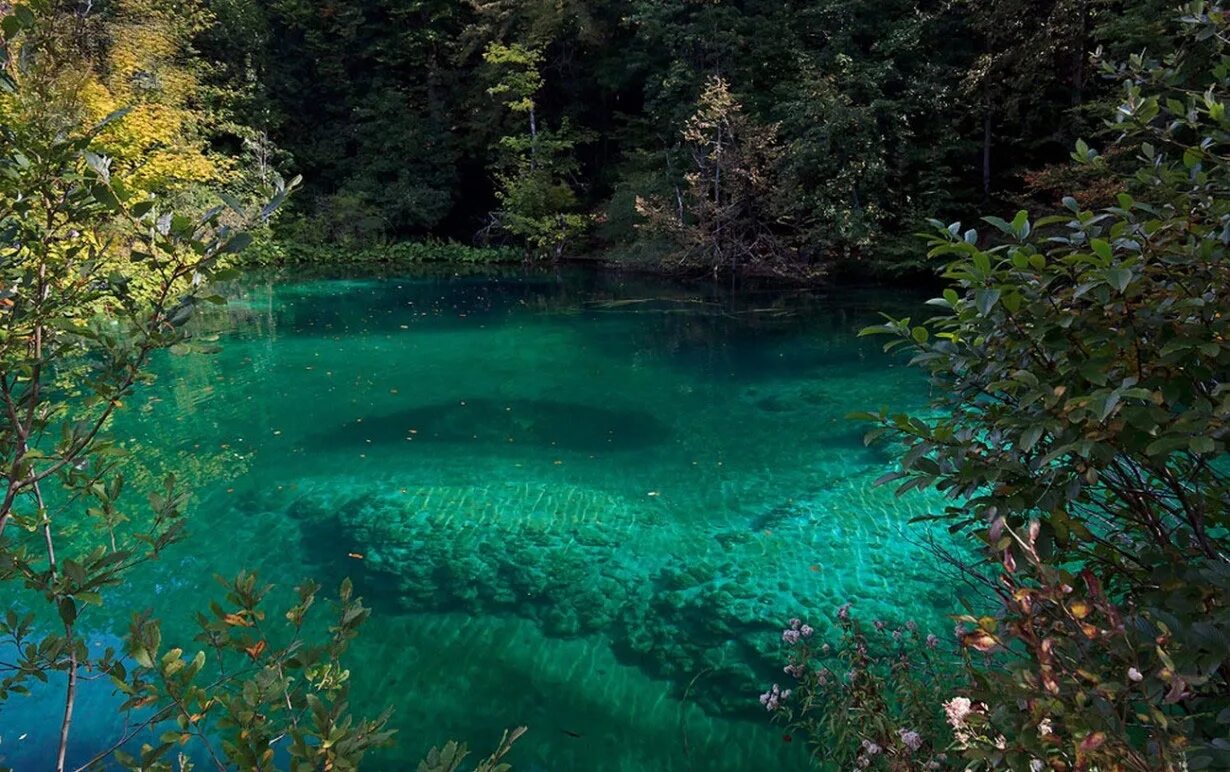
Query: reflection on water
[582, 502]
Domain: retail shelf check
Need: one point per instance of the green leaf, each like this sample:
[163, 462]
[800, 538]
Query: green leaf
[10, 26]
[111, 118]
[1030, 437]
[24, 15]
[235, 205]
[1202, 445]
[1165, 445]
[142, 657]
[238, 243]
[1020, 225]
[1119, 278]
[1001, 224]
[985, 300]
[68, 611]
[105, 196]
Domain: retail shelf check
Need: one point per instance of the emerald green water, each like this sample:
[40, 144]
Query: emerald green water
[582, 503]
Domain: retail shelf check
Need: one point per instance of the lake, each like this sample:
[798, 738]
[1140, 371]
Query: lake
[578, 501]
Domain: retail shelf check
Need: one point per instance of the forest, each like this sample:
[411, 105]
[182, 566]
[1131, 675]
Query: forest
[644, 385]
[784, 137]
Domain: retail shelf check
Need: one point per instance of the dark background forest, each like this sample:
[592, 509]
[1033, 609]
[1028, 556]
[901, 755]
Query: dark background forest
[595, 127]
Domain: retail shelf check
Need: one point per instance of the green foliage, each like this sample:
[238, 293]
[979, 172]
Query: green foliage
[95, 276]
[872, 144]
[273, 252]
[1079, 368]
[720, 215]
[519, 77]
[365, 100]
[294, 690]
[533, 170]
[450, 757]
[871, 700]
[422, 120]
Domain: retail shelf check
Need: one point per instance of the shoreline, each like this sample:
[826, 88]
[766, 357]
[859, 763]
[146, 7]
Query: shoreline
[280, 254]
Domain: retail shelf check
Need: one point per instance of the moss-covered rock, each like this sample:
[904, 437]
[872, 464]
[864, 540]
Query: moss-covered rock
[558, 556]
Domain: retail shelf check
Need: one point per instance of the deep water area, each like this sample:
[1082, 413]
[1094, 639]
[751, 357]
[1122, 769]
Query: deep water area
[578, 501]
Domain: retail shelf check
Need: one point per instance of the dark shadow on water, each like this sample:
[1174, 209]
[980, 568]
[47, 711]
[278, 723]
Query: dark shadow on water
[511, 423]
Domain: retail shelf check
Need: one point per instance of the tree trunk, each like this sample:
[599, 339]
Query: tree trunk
[717, 199]
[70, 701]
[986, 154]
[533, 140]
[1080, 54]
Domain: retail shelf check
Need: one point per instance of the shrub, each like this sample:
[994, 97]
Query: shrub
[96, 276]
[1080, 368]
[272, 252]
[870, 701]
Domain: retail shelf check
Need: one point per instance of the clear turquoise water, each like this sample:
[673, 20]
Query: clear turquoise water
[585, 503]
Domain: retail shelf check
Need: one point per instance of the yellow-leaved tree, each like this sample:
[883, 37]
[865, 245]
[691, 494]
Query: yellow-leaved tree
[132, 70]
[138, 57]
[148, 67]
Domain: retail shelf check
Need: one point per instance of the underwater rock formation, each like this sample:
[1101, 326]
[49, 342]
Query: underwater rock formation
[560, 557]
[697, 602]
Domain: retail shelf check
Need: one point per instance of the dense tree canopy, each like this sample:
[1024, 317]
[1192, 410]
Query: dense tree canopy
[882, 113]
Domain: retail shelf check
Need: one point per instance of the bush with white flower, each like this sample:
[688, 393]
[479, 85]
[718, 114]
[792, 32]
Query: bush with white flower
[869, 701]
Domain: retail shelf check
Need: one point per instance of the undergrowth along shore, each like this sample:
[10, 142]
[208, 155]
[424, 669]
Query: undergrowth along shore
[271, 252]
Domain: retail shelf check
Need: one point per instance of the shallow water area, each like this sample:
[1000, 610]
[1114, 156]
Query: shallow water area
[582, 502]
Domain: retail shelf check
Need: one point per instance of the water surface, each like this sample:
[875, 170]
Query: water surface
[578, 502]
